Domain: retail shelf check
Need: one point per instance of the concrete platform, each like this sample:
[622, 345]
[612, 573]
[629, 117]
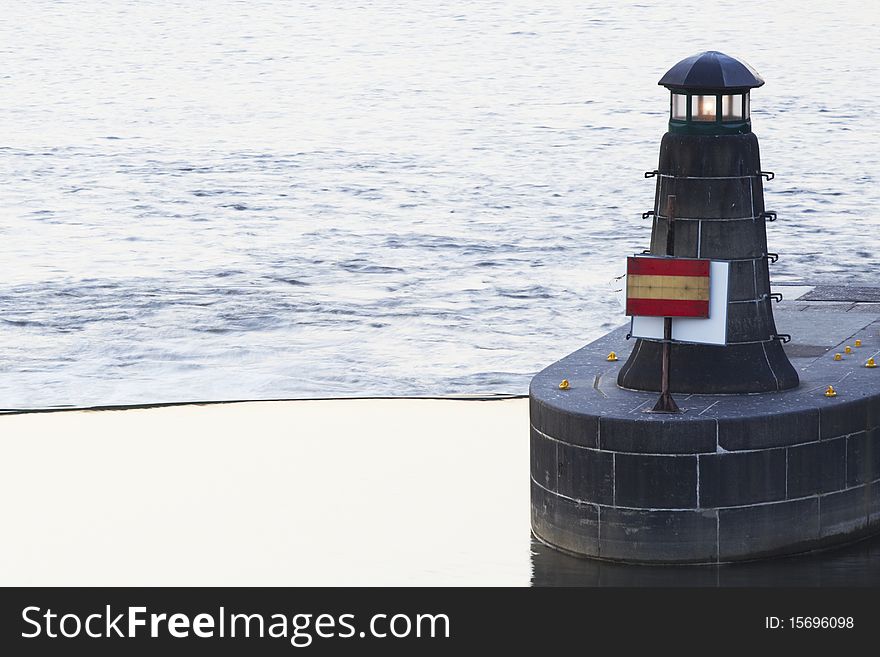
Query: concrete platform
[735, 476]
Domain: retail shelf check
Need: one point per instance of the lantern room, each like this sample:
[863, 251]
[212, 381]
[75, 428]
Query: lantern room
[710, 94]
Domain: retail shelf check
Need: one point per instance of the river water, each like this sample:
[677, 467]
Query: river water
[249, 200]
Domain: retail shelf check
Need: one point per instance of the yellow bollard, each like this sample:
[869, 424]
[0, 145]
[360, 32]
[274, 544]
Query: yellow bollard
[838, 357]
[830, 392]
[564, 385]
[858, 343]
[870, 363]
[847, 349]
[612, 357]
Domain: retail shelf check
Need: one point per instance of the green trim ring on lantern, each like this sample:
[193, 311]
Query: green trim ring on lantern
[710, 127]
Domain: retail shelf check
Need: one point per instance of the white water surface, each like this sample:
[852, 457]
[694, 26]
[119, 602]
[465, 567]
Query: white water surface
[250, 200]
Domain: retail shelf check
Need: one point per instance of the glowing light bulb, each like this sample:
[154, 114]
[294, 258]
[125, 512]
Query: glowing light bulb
[707, 107]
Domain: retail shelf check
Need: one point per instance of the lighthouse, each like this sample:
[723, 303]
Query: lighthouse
[753, 457]
[709, 193]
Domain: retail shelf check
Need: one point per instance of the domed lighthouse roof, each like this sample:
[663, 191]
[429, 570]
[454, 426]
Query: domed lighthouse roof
[711, 70]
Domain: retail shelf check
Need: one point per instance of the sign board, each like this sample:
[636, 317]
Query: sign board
[709, 330]
[667, 287]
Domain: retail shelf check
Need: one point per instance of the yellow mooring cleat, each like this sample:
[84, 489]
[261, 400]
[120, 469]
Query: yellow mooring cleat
[871, 363]
[838, 357]
[858, 343]
[564, 385]
[612, 357]
[847, 349]
[830, 392]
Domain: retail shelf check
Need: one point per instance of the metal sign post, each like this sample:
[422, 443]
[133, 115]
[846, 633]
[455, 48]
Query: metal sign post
[666, 404]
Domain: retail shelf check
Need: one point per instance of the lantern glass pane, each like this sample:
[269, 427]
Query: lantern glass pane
[679, 107]
[746, 111]
[703, 108]
[731, 107]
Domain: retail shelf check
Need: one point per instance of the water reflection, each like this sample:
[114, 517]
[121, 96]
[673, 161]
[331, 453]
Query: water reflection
[857, 564]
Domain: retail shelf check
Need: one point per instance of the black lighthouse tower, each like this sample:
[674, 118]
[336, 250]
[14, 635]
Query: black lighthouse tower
[710, 164]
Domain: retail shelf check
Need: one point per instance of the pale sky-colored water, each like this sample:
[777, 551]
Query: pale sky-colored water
[311, 493]
[268, 199]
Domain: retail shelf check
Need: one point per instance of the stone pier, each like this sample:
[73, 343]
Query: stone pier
[734, 477]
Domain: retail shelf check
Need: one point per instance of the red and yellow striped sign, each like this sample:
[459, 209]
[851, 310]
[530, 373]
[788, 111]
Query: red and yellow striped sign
[667, 287]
